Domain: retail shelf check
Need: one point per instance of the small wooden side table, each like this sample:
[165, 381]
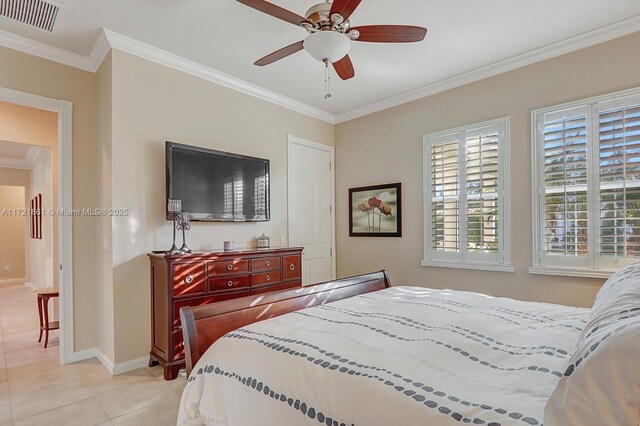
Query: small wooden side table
[44, 294]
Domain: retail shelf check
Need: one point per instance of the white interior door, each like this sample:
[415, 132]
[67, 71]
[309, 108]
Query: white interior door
[310, 206]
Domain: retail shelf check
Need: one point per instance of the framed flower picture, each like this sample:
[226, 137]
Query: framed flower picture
[376, 211]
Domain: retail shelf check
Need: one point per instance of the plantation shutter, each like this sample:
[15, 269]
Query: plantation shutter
[588, 178]
[445, 185]
[482, 169]
[565, 180]
[465, 194]
[619, 178]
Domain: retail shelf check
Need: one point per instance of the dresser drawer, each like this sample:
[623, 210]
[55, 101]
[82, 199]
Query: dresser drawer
[188, 279]
[228, 266]
[205, 300]
[265, 278]
[292, 267]
[265, 263]
[229, 283]
[269, 288]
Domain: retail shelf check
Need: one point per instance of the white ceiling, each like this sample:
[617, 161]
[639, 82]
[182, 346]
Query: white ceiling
[227, 36]
[17, 155]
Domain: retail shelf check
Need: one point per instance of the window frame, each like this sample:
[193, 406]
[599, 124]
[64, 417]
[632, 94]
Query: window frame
[593, 265]
[463, 259]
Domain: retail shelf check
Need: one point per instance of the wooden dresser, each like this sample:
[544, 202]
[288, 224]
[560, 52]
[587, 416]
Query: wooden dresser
[203, 278]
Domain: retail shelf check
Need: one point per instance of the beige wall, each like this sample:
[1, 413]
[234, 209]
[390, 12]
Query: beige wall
[126, 111]
[12, 230]
[20, 177]
[28, 125]
[153, 104]
[14, 177]
[37, 127]
[104, 281]
[41, 250]
[30, 74]
[387, 147]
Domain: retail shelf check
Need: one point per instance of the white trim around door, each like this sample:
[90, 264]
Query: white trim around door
[65, 232]
[291, 140]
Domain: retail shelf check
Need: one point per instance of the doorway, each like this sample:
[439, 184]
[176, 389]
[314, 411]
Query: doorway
[61, 269]
[311, 213]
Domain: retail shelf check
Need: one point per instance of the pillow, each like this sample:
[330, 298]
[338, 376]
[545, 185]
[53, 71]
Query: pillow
[625, 278]
[601, 385]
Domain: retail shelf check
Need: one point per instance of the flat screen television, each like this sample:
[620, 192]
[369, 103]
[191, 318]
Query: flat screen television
[217, 186]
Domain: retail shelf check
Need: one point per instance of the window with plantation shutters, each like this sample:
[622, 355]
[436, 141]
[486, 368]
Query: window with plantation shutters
[587, 186]
[444, 196]
[465, 198]
[619, 159]
[482, 190]
[565, 183]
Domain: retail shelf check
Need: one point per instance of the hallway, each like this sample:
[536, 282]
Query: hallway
[36, 390]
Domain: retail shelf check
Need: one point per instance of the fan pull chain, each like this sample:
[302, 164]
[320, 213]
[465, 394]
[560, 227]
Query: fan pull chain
[327, 79]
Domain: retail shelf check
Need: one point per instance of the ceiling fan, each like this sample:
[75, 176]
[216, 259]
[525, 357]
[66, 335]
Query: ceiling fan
[331, 34]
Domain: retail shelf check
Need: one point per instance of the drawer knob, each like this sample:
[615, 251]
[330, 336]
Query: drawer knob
[230, 284]
[267, 263]
[292, 267]
[188, 279]
[229, 267]
[268, 278]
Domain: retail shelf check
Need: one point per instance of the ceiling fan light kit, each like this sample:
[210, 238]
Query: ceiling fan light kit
[331, 34]
[327, 45]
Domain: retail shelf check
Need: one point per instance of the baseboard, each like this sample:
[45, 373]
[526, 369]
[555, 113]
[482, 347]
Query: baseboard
[122, 367]
[134, 364]
[85, 354]
[11, 282]
[29, 286]
[105, 360]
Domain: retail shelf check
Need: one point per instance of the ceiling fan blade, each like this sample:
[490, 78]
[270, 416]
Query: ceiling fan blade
[279, 54]
[390, 33]
[273, 10]
[344, 7]
[344, 68]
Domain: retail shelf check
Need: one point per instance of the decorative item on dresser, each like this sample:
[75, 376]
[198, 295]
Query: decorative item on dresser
[174, 208]
[201, 278]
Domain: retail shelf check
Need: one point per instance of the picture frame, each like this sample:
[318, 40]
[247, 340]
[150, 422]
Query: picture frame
[39, 216]
[36, 217]
[32, 217]
[376, 211]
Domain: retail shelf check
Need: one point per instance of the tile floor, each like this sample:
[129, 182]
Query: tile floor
[36, 390]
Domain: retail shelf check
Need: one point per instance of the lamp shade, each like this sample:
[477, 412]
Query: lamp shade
[329, 45]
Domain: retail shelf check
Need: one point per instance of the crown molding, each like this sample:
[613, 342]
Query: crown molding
[31, 157]
[42, 50]
[25, 163]
[99, 52]
[109, 39]
[591, 38]
[162, 57]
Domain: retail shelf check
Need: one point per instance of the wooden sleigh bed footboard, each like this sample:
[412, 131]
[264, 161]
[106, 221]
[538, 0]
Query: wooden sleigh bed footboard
[203, 325]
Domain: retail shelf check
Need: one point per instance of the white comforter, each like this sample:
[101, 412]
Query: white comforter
[400, 356]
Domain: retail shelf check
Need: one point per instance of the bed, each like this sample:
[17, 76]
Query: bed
[360, 352]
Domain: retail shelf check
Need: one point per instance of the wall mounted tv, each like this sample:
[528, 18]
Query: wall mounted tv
[217, 186]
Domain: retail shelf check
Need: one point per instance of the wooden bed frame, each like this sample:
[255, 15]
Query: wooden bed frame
[203, 325]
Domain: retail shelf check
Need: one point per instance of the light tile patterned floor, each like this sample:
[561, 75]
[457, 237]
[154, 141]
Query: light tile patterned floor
[36, 390]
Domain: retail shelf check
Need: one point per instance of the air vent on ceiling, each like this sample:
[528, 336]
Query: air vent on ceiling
[37, 13]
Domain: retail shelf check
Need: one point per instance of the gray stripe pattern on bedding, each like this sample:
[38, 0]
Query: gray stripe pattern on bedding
[404, 355]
